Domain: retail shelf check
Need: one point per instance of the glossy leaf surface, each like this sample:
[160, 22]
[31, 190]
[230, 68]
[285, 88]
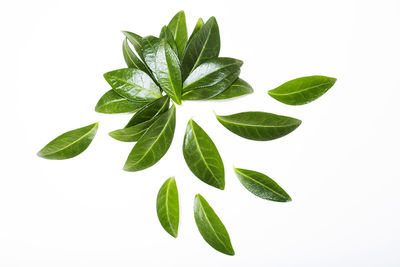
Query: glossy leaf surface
[69, 144]
[260, 126]
[111, 102]
[136, 41]
[178, 28]
[238, 88]
[149, 51]
[204, 45]
[202, 157]
[169, 37]
[197, 27]
[133, 133]
[131, 59]
[153, 144]
[168, 71]
[168, 207]
[302, 90]
[261, 185]
[211, 227]
[133, 84]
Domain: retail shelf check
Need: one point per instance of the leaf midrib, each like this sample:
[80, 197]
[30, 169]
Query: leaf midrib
[145, 89]
[300, 91]
[256, 125]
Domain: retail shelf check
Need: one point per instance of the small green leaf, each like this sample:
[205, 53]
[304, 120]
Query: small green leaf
[204, 45]
[153, 144]
[133, 133]
[259, 126]
[131, 59]
[149, 51]
[177, 26]
[133, 84]
[69, 144]
[261, 185]
[211, 78]
[136, 41]
[111, 102]
[168, 207]
[169, 37]
[197, 27]
[303, 90]
[210, 226]
[168, 71]
[238, 88]
[149, 111]
[202, 157]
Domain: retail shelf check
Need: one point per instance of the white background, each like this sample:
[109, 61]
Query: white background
[340, 166]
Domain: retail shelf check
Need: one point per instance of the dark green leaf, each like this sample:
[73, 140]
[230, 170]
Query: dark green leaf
[303, 90]
[211, 227]
[168, 207]
[136, 41]
[133, 84]
[238, 88]
[111, 102]
[153, 144]
[168, 71]
[149, 111]
[167, 35]
[260, 126]
[204, 45]
[197, 27]
[211, 78]
[149, 50]
[131, 59]
[133, 133]
[202, 157]
[177, 26]
[69, 144]
[261, 185]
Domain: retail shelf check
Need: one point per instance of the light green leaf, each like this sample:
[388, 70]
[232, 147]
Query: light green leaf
[153, 144]
[261, 185]
[210, 226]
[111, 102]
[197, 27]
[259, 126]
[169, 37]
[168, 207]
[177, 26]
[238, 88]
[149, 51]
[69, 144]
[202, 157]
[303, 90]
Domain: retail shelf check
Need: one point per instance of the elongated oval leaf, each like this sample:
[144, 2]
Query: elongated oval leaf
[210, 226]
[204, 45]
[259, 126]
[111, 102]
[153, 144]
[178, 28]
[149, 51]
[211, 78]
[168, 71]
[69, 144]
[149, 111]
[133, 84]
[168, 207]
[131, 59]
[136, 41]
[302, 90]
[133, 133]
[261, 185]
[197, 27]
[169, 37]
[202, 157]
[238, 88]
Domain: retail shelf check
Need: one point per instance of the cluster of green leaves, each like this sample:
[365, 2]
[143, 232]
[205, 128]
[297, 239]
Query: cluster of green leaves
[176, 67]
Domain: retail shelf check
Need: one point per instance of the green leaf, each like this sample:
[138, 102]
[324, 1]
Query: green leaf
[153, 144]
[211, 78]
[149, 111]
[197, 27]
[238, 88]
[177, 26]
[136, 41]
[169, 37]
[131, 59]
[133, 84]
[303, 90]
[261, 185]
[168, 71]
[111, 102]
[168, 207]
[202, 157]
[260, 126]
[149, 51]
[204, 45]
[69, 144]
[133, 133]
[211, 227]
